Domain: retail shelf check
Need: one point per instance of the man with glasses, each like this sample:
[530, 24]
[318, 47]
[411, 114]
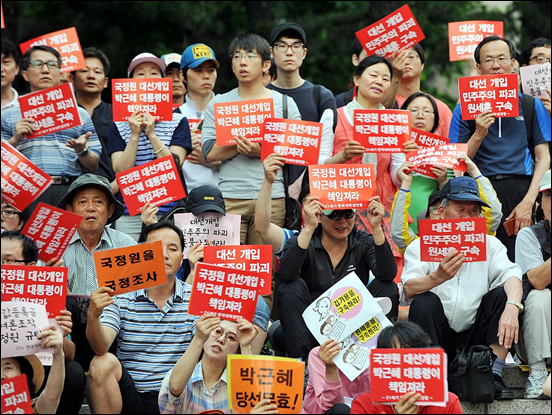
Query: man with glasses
[13, 219]
[537, 52]
[64, 155]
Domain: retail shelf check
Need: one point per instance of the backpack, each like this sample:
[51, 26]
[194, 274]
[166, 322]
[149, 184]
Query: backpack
[470, 374]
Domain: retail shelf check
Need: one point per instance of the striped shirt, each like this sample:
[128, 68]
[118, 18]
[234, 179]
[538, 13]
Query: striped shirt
[50, 152]
[82, 279]
[150, 341]
[195, 398]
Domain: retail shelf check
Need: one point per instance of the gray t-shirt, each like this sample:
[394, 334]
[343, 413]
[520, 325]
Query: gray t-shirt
[528, 250]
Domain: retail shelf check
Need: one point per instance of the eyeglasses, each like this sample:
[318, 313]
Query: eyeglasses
[11, 261]
[411, 57]
[336, 214]
[229, 337]
[503, 60]
[9, 214]
[425, 112]
[248, 56]
[434, 209]
[540, 59]
[283, 47]
[38, 64]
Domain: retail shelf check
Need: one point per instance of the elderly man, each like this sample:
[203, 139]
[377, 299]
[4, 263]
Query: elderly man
[470, 303]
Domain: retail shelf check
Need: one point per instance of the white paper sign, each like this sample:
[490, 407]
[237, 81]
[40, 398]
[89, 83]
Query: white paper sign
[535, 79]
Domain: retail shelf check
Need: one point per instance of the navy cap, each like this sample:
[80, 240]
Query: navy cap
[462, 189]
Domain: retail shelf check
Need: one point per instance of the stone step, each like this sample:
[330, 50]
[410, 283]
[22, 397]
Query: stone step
[517, 406]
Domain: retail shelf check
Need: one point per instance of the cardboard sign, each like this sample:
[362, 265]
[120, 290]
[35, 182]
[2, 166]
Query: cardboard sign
[156, 182]
[341, 186]
[398, 371]
[297, 141]
[465, 36]
[396, 31]
[52, 229]
[21, 323]
[254, 378]
[228, 293]
[426, 157]
[382, 131]
[438, 237]
[151, 95]
[66, 42]
[22, 181]
[496, 93]
[245, 118]
[255, 259]
[425, 139]
[220, 230]
[53, 109]
[131, 268]
[535, 79]
[16, 398]
[40, 285]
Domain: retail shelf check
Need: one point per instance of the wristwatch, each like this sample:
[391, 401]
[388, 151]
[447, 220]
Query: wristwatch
[517, 304]
[83, 152]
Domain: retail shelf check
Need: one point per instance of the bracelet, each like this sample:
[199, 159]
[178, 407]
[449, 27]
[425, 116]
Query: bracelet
[160, 150]
[404, 190]
[478, 177]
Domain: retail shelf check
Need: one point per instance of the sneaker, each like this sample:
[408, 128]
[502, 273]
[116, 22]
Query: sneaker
[502, 392]
[534, 384]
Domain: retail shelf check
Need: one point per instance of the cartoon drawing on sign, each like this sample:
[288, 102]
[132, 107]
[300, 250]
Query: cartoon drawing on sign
[323, 306]
[355, 356]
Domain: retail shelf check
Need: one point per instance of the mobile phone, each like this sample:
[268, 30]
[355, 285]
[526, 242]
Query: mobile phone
[510, 226]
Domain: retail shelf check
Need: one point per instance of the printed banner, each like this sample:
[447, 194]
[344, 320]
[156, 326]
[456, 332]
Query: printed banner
[426, 157]
[254, 378]
[228, 293]
[298, 141]
[52, 229]
[535, 79]
[23, 182]
[341, 186]
[151, 95]
[425, 139]
[245, 118]
[382, 131]
[220, 230]
[39, 285]
[438, 237]
[156, 182]
[496, 93]
[66, 42]
[16, 398]
[53, 109]
[465, 36]
[131, 268]
[396, 31]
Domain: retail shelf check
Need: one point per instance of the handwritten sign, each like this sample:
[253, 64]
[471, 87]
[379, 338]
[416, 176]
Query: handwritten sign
[446, 156]
[535, 79]
[151, 95]
[22, 181]
[438, 237]
[66, 42]
[425, 139]
[297, 141]
[251, 258]
[341, 186]
[52, 229]
[228, 293]
[53, 109]
[244, 118]
[465, 36]
[382, 131]
[397, 31]
[496, 93]
[398, 371]
[16, 398]
[131, 268]
[40, 285]
[220, 230]
[254, 378]
[156, 182]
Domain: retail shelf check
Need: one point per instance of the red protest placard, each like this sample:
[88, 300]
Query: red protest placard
[228, 293]
[40, 285]
[23, 182]
[496, 93]
[465, 36]
[297, 141]
[382, 131]
[151, 95]
[244, 118]
[53, 109]
[343, 187]
[156, 182]
[52, 229]
[438, 237]
[2, 26]
[131, 268]
[425, 139]
[397, 31]
[445, 156]
[255, 259]
[16, 398]
[394, 372]
[66, 42]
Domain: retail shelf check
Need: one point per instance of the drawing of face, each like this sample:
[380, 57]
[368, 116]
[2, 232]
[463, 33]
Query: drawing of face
[323, 307]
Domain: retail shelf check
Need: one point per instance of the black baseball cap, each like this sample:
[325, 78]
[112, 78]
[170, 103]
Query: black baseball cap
[205, 199]
[283, 27]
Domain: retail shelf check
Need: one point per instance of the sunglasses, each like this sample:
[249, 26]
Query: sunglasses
[336, 214]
